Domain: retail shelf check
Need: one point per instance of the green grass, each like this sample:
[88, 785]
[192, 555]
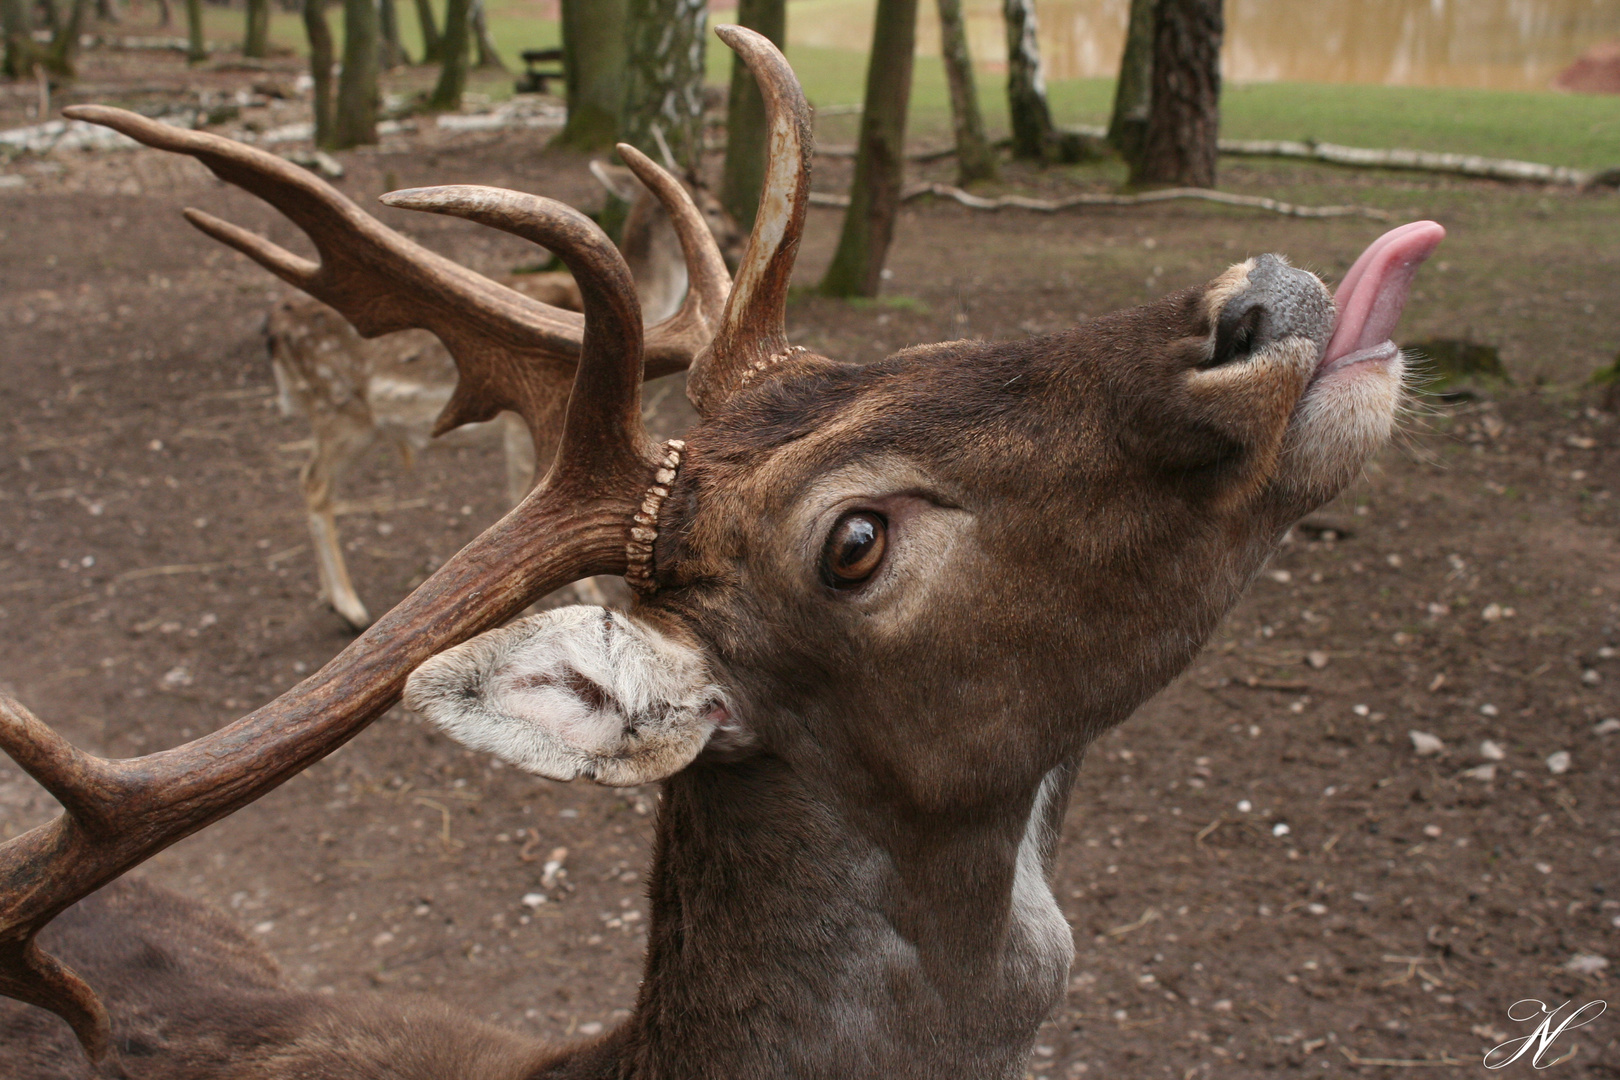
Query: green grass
[1559, 129]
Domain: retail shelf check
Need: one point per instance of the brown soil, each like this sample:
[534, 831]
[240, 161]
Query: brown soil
[155, 583]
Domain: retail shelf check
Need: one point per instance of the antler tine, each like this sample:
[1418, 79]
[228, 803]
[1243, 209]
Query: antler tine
[683, 335]
[588, 516]
[753, 330]
[606, 400]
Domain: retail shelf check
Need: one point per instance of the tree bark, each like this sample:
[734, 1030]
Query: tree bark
[1184, 119]
[432, 45]
[392, 51]
[320, 68]
[857, 266]
[974, 159]
[196, 45]
[446, 96]
[487, 56]
[664, 79]
[594, 54]
[355, 120]
[256, 37]
[62, 56]
[1133, 93]
[744, 173]
[1032, 128]
[20, 54]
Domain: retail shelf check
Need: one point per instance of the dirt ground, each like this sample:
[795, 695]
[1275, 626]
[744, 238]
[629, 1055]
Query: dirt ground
[1263, 873]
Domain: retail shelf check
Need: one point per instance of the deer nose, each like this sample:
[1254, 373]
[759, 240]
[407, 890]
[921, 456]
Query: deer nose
[1278, 302]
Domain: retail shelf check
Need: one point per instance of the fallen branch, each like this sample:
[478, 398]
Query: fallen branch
[1050, 206]
[1427, 161]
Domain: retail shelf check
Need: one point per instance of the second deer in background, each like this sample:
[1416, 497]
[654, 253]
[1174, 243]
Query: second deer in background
[357, 392]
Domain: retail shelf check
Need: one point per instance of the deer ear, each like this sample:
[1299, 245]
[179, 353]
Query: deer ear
[577, 691]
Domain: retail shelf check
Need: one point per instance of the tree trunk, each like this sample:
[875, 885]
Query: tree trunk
[19, 57]
[62, 57]
[107, 11]
[1184, 120]
[392, 54]
[594, 53]
[53, 17]
[487, 56]
[744, 174]
[355, 120]
[196, 45]
[1033, 132]
[320, 68]
[446, 95]
[857, 266]
[664, 79]
[974, 159]
[165, 15]
[1133, 94]
[256, 39]
[432, 45]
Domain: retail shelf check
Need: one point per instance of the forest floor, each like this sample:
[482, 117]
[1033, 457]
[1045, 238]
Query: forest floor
[1263, 874]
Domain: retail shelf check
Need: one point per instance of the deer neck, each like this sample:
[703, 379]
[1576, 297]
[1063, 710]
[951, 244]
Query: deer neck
[793, 934]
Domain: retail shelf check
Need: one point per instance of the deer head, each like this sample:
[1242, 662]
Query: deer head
[882, 612]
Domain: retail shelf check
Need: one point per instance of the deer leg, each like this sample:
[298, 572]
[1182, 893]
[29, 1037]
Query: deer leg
[335, 445]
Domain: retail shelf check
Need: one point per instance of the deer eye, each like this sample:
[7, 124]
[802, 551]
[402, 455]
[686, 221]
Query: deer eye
[854, 549]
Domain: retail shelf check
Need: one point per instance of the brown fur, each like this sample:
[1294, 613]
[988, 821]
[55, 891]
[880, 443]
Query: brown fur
[854, 885]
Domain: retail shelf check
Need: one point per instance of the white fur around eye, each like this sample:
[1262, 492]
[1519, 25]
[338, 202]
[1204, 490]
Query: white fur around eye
[579, 691]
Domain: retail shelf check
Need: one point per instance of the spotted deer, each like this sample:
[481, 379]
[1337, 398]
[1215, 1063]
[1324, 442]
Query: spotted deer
[356, 392]
[881, 612]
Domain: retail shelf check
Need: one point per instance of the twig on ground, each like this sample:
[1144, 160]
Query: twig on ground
[1051, 206]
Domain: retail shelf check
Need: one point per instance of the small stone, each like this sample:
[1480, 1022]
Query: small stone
[384, 938]
[1587, 964]
[1360, 710]
[1483, 773]
[1491, 612]
[1425, 744]
[1222, 1006]
[592, 1028]
[264, 927]
[1316, 909]
[1317, 659]
[533, 899]
[1607, 727]
[1488, 709]
[1432, 831]
[1543, 868]
[1590, 677]
[1244, 806]
[1281, 577]
[1558, 762]
[1281, 829]
[1491, 751]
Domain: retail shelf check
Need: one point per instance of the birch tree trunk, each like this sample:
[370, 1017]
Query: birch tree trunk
[487, 56]
[1133, 93]
[432, 45]
[1032, 128]
[744, 173]
[256, 36]
[320, 68]
[975, 160]
[880, 157]
[594, 53]
[446, 95]
[664, 79]
[1184, 119]
[355, 119]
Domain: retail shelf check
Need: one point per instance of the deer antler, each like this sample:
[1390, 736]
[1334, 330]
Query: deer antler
[580, 520]
[753, 331]
[512, 352]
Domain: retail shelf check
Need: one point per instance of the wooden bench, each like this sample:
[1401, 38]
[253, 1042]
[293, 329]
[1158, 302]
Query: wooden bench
[540, 66]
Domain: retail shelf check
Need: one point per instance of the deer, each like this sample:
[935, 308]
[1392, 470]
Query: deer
[881, 612]
[356, 392]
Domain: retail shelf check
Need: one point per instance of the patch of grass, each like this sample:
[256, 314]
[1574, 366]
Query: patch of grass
[888, 303]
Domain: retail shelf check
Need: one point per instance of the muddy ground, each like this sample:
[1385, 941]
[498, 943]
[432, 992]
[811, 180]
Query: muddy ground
[1263, 875]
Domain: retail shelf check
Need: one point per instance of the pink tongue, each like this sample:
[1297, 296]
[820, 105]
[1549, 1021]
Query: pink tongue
[1373, 293]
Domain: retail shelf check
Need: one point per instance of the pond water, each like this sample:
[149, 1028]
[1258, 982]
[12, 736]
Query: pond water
[1498, 44]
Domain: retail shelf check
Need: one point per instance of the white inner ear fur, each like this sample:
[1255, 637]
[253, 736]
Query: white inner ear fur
[577, 691]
